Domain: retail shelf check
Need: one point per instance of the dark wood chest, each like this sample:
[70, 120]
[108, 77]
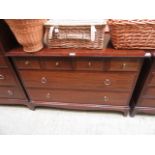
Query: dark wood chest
[79, 79]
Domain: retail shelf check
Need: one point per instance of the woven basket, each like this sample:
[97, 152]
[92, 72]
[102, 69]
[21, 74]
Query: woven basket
[28, 32]
[74, 34]
[132, 34]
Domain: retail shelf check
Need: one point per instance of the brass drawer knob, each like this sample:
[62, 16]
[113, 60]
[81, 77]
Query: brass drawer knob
[2, 77]
[27, 62]
[89, 64]
[124, 65]
[57, 64]
[48, 95]
[105, 98]
[43, 80]
[10, 92]
[107, 82]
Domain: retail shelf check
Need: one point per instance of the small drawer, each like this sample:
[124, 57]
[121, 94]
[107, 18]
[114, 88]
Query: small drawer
[6, 77]
[83, 97]
[57, 63]
[2, 62]
[149, 92]
[11, 92]
[147, 102]
[124, 64]
[89, 64]
[27, 63]
[78, 80]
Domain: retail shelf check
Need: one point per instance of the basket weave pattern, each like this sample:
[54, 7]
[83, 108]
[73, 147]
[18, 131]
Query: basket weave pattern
[132, 34]
[85, 42]
[28, 32]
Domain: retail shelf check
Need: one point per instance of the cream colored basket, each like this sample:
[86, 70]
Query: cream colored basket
[74, 34]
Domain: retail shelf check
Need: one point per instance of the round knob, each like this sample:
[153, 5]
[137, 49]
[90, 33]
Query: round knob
[107, 82]
[57, 64]
[10, 92]
[2, 77]
[27, 62]
[124, 65]
[89, 64]
[48, 95]
[43, 80]
[105, 98]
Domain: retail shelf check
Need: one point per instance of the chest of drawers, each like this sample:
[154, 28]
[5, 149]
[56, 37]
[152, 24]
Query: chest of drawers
[11, 89]
[79, 79]
[146, 99]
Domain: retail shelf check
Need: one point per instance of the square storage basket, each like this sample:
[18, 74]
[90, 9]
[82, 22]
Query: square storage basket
[132, 34]
[74, 34]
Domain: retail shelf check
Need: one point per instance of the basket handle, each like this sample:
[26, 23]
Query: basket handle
[93, 32]
[71, 36]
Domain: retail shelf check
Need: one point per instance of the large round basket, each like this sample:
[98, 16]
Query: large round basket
[28, 32]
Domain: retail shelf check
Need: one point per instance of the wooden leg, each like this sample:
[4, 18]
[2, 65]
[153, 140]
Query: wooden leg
[31, 106]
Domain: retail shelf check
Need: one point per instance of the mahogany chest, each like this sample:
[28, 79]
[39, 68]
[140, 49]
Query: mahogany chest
[79, 79]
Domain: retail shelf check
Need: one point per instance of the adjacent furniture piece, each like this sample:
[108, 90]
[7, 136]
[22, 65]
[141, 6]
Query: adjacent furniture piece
[145, 101]
[11, 89]
[79, 78]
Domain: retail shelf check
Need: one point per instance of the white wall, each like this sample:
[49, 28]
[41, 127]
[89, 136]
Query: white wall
[78, 9]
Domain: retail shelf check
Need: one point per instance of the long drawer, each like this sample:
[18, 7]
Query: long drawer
[6, 78]
[78, 80]
[68, 96]
[152, 79]
[147, 102]
[153, 66]
[11, 92]
[149, 92]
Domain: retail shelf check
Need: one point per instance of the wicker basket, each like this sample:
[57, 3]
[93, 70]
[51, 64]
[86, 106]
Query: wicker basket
[74, 34]
[132, 34]
[28, 32]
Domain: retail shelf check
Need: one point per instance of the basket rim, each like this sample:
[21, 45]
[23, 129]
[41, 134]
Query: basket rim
[74, 22]
[131, 22]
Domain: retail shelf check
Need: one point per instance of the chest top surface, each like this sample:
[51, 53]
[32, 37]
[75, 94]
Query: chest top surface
[109, 51]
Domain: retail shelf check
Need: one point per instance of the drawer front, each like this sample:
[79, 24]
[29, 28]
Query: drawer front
[85, 97]
[27, 63]
[78, 80]
[57, 63]
[152, 79]
[124, 64]
[147, 102]
[150, 92]
[89, 64]
[6, 77]
[11, 92]
[2, 62]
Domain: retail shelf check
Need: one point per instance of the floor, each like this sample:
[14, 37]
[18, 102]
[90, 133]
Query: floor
[20, 120]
